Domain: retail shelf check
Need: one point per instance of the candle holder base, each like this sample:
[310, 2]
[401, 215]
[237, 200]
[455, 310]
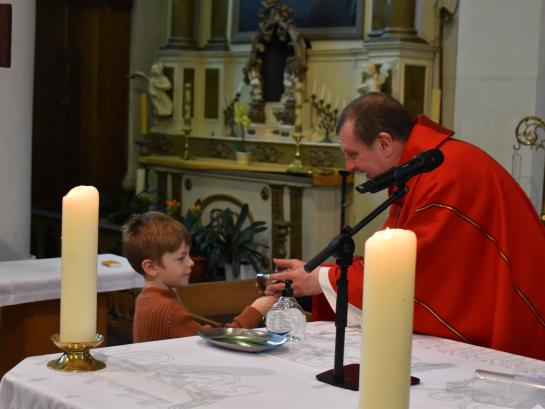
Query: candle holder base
[76, 356]
[297, 167]
[350, 377]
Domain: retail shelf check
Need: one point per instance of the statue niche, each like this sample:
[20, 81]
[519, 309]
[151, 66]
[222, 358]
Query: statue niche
[277, 60]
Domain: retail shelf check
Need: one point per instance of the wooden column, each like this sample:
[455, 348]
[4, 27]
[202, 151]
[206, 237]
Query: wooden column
[182, 16]
[162, 177]
[399, 21]
[296, 221]
[378, 20]
[278, 249]
[218, 28]
[5, 35]
[176, 186]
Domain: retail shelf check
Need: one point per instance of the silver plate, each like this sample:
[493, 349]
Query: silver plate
[240, 339]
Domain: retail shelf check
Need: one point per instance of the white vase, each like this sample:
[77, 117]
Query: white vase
[243, 158]
[246, 272]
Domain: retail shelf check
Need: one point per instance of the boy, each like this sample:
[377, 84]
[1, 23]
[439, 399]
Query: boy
[157, 247]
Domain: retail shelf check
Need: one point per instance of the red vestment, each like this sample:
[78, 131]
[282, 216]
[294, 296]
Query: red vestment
[480, 268]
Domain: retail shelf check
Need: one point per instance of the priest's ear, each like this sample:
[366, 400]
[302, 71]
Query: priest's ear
[385, 143]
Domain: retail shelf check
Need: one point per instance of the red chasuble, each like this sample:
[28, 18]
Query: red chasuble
[480, 273]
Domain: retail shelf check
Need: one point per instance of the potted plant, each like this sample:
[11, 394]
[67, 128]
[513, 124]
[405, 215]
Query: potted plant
[241, 120]
[228, 238]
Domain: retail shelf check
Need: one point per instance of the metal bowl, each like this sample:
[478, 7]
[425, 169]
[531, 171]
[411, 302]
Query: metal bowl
[240, 339]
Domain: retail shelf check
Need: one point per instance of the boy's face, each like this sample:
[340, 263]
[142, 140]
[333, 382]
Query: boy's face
[174, 269]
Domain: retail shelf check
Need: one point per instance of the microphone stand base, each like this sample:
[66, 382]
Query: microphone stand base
[351, 377]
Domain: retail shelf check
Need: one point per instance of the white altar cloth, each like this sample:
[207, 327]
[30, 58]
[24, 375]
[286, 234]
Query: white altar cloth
[25, 281]
[190, 373]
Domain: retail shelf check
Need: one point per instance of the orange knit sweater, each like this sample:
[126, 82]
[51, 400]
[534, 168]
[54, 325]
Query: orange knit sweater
[160, 315]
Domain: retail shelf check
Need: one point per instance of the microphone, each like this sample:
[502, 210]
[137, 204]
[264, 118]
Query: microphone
[423, 162]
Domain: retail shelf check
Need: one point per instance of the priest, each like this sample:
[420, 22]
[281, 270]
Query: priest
[481, 245]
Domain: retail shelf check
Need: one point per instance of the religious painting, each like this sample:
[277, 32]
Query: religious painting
[317, 19]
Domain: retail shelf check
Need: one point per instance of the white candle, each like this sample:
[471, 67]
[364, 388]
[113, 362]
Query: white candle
[322, 92]
[140, 180]
[328, 97]
[387, 319]
[79, 265]
[314, 85]
[337, 102]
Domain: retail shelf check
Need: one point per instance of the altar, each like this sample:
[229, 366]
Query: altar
[190, 373]
[30, 305]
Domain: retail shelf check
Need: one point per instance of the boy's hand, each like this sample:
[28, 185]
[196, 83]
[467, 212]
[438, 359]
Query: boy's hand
[264, 304]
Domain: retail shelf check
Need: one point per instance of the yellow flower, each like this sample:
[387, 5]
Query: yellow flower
[241, 114]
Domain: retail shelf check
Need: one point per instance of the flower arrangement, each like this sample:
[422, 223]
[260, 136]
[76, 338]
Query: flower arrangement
[172, 208]
[241, 119]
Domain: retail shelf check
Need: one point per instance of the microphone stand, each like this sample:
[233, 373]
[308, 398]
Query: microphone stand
[342, 248]
[344, 176]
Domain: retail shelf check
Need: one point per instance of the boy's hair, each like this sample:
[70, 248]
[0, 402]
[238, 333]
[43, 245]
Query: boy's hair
[149, 236]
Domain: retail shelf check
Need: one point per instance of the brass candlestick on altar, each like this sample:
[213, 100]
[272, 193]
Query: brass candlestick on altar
[296, 166]
[76, 356]
[327, 117]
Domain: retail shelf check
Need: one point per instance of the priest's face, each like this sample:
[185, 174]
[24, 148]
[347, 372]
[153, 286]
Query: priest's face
[370, 160]
[174, 269]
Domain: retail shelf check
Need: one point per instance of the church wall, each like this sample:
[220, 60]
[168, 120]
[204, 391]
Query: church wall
[146, 38]
[498, 79]
[16, 89]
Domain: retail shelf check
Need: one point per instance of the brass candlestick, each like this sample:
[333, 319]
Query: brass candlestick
[296, 166]
[327, 117]
[76, 356]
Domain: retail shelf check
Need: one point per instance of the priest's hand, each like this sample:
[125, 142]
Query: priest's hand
[303, 283]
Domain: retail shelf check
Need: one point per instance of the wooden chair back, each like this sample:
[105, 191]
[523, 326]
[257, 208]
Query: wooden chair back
[218, 300]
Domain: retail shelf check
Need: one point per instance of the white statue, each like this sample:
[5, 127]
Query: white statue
[371, 79]
[290, 83]
[158, 85]
[256, 88]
